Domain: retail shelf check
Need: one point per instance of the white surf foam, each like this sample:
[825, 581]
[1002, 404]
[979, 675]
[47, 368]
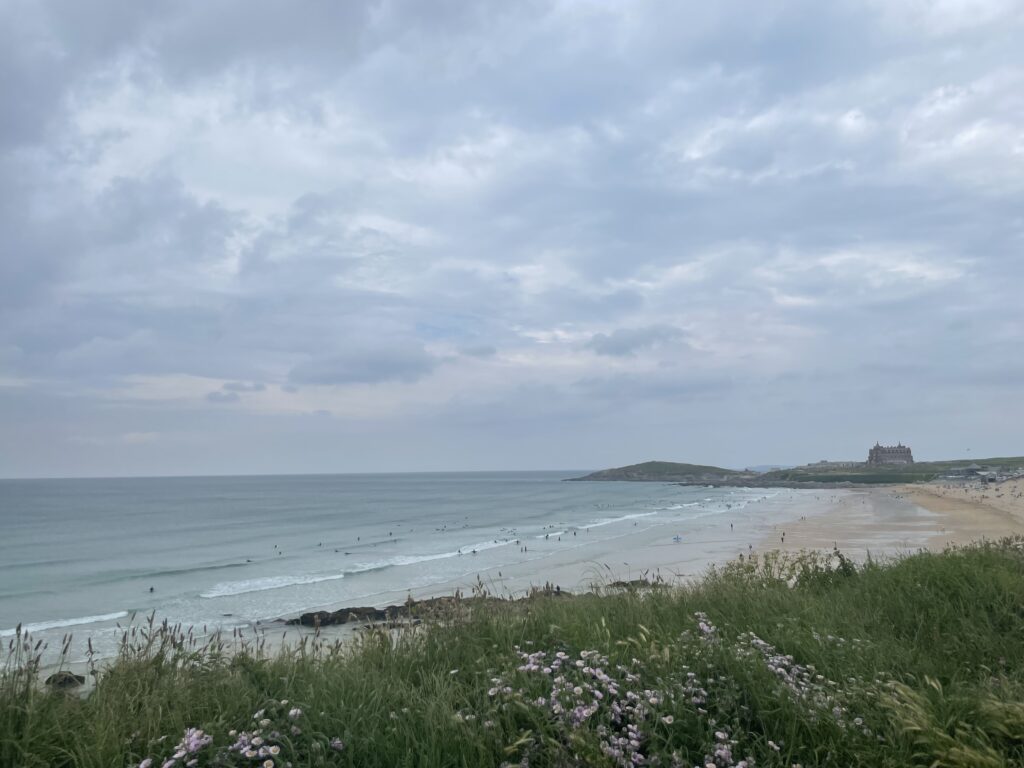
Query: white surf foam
[58, 623]
[613, 520]
[231, 588]
[400, 560]
[549, 534]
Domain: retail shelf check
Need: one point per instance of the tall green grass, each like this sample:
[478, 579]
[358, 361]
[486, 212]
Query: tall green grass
[782, 660]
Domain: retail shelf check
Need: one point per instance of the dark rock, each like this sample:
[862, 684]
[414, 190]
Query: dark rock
[410, 610]
[63, 680]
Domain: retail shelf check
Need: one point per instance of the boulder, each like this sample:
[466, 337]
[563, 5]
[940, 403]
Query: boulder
[63, 680]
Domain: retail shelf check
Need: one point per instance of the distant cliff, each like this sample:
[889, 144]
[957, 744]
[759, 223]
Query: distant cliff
[667, 472]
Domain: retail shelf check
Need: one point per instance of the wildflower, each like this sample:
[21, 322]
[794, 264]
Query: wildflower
[274, 750]
[668, 719]
[146, 763]
[296, 730]
[268, 764]
[294, 713]
[264, 723]
[773, 745]
[337, 744]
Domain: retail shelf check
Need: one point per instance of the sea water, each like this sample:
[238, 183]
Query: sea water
[81, 555]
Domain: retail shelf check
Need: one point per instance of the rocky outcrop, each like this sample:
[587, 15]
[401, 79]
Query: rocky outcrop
[411, 610]
[345, 615]
[64, 680]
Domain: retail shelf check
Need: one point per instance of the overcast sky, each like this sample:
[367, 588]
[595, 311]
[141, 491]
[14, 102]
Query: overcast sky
[249, 237]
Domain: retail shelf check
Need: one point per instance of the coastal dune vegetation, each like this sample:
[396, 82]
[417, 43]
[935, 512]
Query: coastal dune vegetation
[775, 660]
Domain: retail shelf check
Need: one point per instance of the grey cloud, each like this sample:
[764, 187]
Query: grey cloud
[223, 397]
[372, 191]
[386, 362]
[244, 386]
[481, 351]
[638, 390]
[626, 342]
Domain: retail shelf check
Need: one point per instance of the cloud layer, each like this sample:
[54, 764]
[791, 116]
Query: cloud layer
[394, 235]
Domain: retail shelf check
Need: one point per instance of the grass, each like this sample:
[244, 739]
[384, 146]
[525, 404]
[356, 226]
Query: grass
[665, 471]
[781, 660]
[872, 477]
[920, 471]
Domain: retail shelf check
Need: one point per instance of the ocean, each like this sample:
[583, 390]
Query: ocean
[84, 555]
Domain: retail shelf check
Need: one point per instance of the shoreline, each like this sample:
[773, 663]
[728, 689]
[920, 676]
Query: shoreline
[645, 547]
[880, 521]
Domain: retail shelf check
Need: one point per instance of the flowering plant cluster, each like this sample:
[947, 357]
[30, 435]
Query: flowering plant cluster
[675, 707]
[276, 735]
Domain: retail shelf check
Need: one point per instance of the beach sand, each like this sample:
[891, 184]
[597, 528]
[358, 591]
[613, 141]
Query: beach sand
[892, 520]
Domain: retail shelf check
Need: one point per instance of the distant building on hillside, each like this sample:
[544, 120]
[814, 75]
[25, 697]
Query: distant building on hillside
[882, 455]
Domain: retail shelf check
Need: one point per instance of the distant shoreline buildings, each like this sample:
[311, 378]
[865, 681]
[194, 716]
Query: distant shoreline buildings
[884, 455]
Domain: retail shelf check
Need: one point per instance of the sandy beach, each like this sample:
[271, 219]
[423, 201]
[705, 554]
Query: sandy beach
[890, 520]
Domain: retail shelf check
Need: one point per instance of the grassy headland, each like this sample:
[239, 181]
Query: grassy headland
[920, 471]
[779, 661]
[664, 472]
[810, 475]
